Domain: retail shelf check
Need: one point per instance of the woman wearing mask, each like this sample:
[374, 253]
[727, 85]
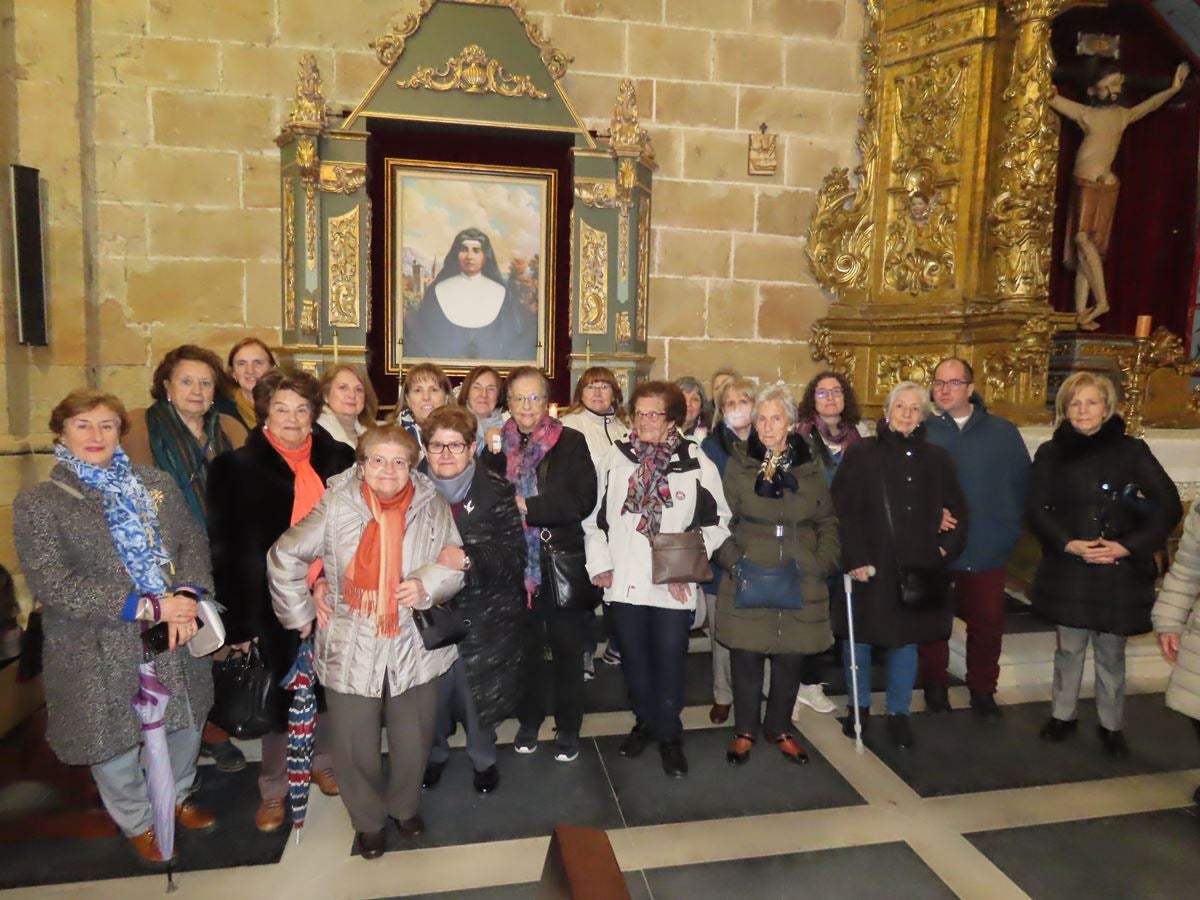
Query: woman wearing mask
[350, 403]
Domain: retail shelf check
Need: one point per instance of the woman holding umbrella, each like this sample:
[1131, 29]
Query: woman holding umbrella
[100, 587]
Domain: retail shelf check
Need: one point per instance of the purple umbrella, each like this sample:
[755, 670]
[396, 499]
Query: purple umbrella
[302, 714]
[151, 704]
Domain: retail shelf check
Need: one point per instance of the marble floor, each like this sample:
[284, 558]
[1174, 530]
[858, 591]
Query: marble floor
[978, 809]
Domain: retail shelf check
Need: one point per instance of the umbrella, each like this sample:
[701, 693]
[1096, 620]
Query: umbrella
[302, 714]
[150, 702]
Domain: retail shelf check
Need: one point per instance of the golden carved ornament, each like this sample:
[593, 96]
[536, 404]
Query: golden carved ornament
[474, 72]
[596, 194]
[593, 280]
[340, 179]
[310, 225]
[763, 154]
[929, 107]
[624, 329]
[289, 253]
[623, 228]
[1162, 350]
[893, 368]
[643, 280]
[1021, 217]
[820, 344]
[342, 238]
[306, 158]
[309, 320]
[1027, 360]
[625, 132]
[389, 47]
[839, 236]
[934, 34]
[308, 107]
[309, 365]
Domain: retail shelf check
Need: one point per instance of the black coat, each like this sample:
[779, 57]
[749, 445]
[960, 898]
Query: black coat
[920, 481]
[1068, 501]
[494, 596]
[250, 496]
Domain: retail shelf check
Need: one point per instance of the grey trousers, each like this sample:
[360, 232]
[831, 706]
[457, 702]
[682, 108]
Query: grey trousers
[355, 723]
[272, 775]
[722, 672]
[122, 781]
[1109, 653]
[455, 705]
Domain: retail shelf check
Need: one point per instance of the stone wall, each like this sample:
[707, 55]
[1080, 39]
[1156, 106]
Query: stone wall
[153, 120]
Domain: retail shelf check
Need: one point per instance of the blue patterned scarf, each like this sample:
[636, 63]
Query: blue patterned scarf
[522, 463]
[131, 517]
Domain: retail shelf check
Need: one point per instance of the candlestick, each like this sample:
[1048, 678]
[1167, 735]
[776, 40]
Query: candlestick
[554, 410]
[1143, 327]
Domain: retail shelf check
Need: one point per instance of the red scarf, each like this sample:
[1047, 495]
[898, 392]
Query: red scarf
[307, 489]
[375, 572]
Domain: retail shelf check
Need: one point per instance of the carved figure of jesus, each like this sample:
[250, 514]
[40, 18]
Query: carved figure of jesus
[1095, 188]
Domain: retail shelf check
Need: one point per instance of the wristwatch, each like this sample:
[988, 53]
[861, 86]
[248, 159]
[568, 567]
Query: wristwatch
[466, 562]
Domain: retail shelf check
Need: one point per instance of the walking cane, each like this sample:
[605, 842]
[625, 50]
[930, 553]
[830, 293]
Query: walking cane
[847, 583]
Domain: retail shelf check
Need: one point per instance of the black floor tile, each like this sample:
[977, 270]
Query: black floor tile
[535, 794]
[607, 692]
[1119, 857]
[957, 753]
[715, 790]
[893, 871]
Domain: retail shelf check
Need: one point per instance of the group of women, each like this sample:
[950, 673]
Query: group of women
[323, 525]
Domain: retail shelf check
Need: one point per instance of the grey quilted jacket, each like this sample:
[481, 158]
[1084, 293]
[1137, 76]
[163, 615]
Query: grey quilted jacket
[1177, 611]
[350, 657]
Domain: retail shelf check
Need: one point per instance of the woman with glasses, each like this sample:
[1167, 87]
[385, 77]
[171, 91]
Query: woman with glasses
[381, 531]
[654, 482]
[481, 689]
[555, 482]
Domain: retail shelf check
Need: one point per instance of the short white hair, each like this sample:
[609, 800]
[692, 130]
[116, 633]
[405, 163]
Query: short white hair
[920, 390]
[777, 393]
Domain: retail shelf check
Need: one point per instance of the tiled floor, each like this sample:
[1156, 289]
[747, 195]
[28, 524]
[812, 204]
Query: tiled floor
[976, 810]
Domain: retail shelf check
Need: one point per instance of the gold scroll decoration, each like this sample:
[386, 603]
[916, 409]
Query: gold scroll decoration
[626, 179]
[389, 47]
[309, 322]
[289, 253]
[593, 280]
[308, 106]
[474, 72]
[839, 236]
[1027, 359]
[625, 131]
[643, 282]
[596, 194]
[342, 240]
[624, 330]
[1021, 216]
[893, 368]
[306, 159]
[821, 345]
[337, 178]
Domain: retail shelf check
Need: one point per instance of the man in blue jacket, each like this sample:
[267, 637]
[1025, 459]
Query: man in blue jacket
[993, 469]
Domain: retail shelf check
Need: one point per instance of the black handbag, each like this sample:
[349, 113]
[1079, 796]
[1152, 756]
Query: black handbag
[920, 587]
[565, 579]
[442, 625]
[245, 696]
[766, 587]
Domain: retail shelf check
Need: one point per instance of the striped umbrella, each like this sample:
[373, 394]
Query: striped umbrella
[302, 714]
[150, 701]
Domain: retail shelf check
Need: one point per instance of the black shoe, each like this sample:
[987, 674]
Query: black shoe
[487, 780]
[899, 732]
[1058, 730]
[433, 774]
[634, 743]
[984, 706]
[937, 698]
[410, 828]
[1114, 743]
[227, 757]
[371, 844]
[848, 722]
[674, 763]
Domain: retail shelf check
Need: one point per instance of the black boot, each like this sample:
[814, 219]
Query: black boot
[1058, 730]
[848, 722]
[1114, 743]
[937, 698]
[899, 731]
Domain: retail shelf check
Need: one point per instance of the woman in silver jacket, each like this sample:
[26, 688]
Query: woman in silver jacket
[380, 530]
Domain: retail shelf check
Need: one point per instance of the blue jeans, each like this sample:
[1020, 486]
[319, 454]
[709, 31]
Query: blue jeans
[901, 676]
[654, 647]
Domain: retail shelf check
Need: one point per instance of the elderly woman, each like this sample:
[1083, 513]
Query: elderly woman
[782, 517]
[889, 493]
[1102, 507]
[249, 360]
[379, 530]
[694, 423]
[481, 689]
[255, 494]
[350, 403]
[425, 388]
[734, 407]
[181, 433]
[654, 482]
[109, 548]
[555, 482]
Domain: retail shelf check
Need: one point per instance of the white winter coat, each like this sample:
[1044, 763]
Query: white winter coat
[1177, 611]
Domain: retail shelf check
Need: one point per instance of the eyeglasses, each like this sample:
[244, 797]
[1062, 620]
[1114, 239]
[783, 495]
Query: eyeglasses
[830, 394]
[955, 383]
[652, 415]
[382, 462]
[531, 399]
[455, 447]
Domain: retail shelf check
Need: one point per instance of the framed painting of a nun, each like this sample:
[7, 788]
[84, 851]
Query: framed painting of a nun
[469, 273]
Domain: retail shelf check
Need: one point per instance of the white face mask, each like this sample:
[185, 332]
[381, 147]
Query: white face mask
[738, 418]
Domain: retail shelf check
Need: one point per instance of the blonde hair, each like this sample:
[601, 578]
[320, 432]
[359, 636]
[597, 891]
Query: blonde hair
[1073, 384]
[370, 408]
[389, 433]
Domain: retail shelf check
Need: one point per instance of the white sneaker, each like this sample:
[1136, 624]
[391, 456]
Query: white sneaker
[813, 696]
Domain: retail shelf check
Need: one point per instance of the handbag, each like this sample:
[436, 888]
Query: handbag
[920, 587]
[245, 695]
[565, 578]
[442, 625]
[679, 558]
[766, 587]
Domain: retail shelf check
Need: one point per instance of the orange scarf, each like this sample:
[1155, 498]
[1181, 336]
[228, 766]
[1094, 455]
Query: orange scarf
[308, 487]
[375, 572]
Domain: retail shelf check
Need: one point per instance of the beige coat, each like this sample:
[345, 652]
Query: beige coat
[1177, 611]
[350, 658]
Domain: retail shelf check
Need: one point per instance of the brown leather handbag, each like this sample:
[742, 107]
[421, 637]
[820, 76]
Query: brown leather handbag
[679, 558]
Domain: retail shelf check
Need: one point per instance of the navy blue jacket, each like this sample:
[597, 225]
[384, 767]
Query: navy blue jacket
[993, 469]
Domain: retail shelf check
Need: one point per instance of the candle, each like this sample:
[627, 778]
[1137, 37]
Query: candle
[335, 347]
[554, 410]
[1143, 327]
